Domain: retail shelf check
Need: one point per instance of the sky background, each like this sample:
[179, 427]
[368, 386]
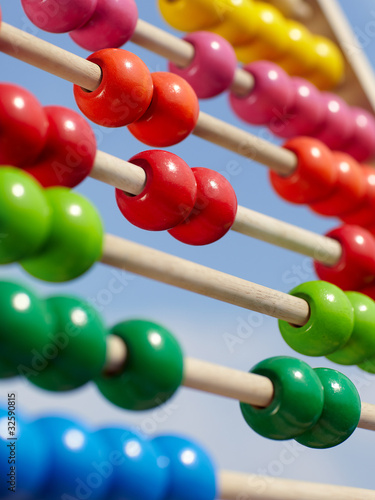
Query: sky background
[202, 325]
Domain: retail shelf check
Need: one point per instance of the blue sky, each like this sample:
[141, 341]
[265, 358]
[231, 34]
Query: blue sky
[204, 327]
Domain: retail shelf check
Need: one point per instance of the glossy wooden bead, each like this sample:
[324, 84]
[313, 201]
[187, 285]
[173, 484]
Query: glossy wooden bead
[340, 415]
[168, 197]
[271, 94]
[303, 115]
[214, 211]
[238, 23]
[315, 175]
[70, 150]
[8, 369]
[212, 69]
[356, 267]
[297, 402]
[361, 344]
[25, 218]
[349, 190]
[23, 124]
[172, 115]
[330, 323]
[75, 240]
[364, 214]
[191, 471]
[124, 93]
[153, 370]
[76, 351]
[59, 17]
[300, 57]
[361, 144]
[111, 25]
[189, 15]
[330, 68]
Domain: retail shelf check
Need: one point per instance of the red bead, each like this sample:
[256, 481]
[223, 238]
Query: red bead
[169, 194]
[362, 140]
[364, 215]
[23, 126]
[69, 153]
[356, 267]
[315, 175]
[124, 93]
[348, 191]
[214, 212]
[172, 115]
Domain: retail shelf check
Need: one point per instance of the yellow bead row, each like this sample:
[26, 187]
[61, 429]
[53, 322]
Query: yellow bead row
[259, 31]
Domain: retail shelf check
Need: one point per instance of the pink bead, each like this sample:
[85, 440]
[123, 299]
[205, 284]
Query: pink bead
[305, 113]
[362, 141]
[212, 70]
[337, 126]
[270, 97]
[59, 16]
[112, 24]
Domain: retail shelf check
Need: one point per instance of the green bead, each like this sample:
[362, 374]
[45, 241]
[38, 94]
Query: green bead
[297, 402]
[330, 324]
[341, 411]
[25, 325]
[361, 344]
[153, 370]
[8, 369]
[75, 242]
[76, 351]
[25, 215]
[368, 366]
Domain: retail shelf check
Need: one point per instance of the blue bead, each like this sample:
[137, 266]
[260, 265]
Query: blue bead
[31, 460]
[132, 464]
[72, 452]
[191, 472]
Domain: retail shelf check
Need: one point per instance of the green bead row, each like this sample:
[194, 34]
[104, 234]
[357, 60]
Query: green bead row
[55, 233]
[319, 408]
[341, 325]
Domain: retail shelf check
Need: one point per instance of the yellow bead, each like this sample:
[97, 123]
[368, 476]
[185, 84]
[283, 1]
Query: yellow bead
[238, 24]
[190, 15]
[330, 68]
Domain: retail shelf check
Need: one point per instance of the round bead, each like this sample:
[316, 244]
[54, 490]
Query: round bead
[72, 451]
[124, 93]
[349, 190]
[111, 25]
[237, 23]
[8, 369]
[330, 68]
[314, 177]
[59, 17]
[361, 344]
[361, 144]
[364, 215]
[368, 366]
[76, 350]
[172, 115]
[191, 472]
[75, 241]
[168, 196]
[30, 445]
[304, 113]
[212, 69]
[356, 267]
[271, 94]
[189, 15]
[70, 150]
[23, 124]
[25, 325]
[132, 460]
[341, 411]
[214, 212]
[25, 215]
[337, 125]
[330, 323]
[153, 370]
[297, 402]
[300, 56]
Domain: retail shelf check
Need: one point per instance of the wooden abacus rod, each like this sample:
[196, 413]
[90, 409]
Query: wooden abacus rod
[86, 74]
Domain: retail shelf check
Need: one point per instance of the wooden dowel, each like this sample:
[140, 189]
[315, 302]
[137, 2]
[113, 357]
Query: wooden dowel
[236, 485]
[298, 9]
[116, 355]
[367, 420]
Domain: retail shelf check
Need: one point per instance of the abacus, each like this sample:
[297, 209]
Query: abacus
[56, 340]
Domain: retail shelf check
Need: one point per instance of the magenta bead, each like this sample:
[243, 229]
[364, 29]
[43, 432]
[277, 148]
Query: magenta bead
[305, 113]
[59, 16]
[212, 70]
[337, 126]
[271, 96]
[362, 141]
[112, 24]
